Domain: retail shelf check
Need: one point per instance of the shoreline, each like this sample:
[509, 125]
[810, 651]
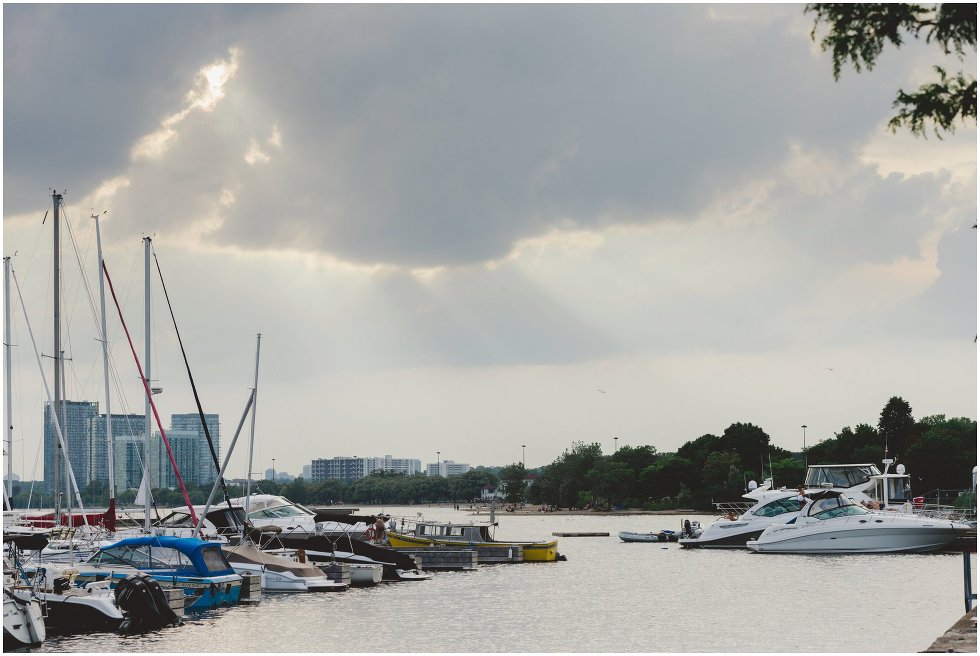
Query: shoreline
[535, 512]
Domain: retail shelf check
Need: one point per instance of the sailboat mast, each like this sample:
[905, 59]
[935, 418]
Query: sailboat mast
[146, 359]
[251, 438]
[56, 405]
[8, 401]
[105, 366]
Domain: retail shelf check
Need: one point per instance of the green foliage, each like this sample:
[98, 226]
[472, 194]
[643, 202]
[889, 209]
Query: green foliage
[788, 471]
[514, 479]
[858, 33]
[897, 425]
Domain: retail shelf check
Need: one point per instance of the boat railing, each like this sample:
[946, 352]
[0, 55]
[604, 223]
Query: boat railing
[737, 507]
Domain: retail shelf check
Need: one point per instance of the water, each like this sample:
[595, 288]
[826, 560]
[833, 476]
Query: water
[609, 596]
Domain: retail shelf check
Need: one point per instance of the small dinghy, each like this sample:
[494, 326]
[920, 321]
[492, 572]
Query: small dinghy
[661, 536]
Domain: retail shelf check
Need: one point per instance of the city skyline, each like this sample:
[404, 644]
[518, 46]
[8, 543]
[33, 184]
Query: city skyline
[489, 231]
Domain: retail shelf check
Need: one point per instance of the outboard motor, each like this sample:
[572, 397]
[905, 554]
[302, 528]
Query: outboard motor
[145, 604]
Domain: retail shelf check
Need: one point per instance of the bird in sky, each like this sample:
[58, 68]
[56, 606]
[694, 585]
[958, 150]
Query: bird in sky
[603, 391]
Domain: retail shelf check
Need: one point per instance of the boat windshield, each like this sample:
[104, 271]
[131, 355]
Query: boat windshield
[839, 475]
[176, 519]
[778, 507]
[277, 512]
[143, 557]
[215, 559]
[837, 506]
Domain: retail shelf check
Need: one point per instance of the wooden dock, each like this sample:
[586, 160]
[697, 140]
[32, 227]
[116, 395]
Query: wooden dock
[581, 535]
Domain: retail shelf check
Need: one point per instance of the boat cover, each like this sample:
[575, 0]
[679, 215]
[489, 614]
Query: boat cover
[247, 553]
[193, 548]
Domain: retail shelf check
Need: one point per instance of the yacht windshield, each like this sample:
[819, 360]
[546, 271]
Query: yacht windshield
[840, 476]
[778, 507]
[837, 506]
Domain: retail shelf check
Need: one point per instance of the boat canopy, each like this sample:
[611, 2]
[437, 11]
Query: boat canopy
[184, 556]
[830, 504]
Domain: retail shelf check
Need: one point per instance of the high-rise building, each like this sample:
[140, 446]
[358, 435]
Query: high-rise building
[130, 426]
[127, 457]
[307, 472]
[74, 420]
[186, 449]
[353, 467]
[205, 471]
[446, 468]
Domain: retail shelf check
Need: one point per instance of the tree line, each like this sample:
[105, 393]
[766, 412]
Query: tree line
[939, 454]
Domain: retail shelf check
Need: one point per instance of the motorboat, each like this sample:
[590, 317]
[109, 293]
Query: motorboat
[137, 603]
[765, 506]
[23, 615]
[197, 567]
[321, 550]
[660, 536]
[292, 519]
[428, 533]
[832, 522]
[279, 572]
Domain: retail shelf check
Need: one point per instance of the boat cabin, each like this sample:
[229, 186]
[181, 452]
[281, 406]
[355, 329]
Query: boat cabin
[454, 532]
[827, 505]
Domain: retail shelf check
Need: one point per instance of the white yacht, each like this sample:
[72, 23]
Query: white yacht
[768, 506]
[292, 519]
[831, 522]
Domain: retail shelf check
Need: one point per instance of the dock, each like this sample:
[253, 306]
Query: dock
[960, 638]
[445, 558]
[582, 535]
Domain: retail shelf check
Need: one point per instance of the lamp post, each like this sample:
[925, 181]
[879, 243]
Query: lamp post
[438, 463]
[273, 470]
[804, 445]
[615, 444]
[523, 459]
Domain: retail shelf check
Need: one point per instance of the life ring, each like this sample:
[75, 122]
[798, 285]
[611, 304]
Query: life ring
[369, 533]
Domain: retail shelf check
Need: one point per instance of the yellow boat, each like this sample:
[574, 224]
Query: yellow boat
[427, 534]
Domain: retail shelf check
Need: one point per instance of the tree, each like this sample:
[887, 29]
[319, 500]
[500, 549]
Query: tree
[945, 454]
[897, 425]
[858, 33]
[610, 481]
[514, 479]
[749, 441]
[666, 476]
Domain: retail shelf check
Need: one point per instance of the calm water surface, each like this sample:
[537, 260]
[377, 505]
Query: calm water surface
[609, 596]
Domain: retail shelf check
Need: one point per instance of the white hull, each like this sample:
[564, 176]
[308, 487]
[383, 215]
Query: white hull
[364, 575]
[849, 539]
[23, 621]
[287, 581]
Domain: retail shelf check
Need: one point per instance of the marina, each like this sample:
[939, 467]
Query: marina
[608, 596]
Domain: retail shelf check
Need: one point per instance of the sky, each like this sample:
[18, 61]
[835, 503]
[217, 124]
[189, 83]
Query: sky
[486, 232]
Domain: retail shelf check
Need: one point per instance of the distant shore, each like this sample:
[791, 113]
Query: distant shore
[535, 510]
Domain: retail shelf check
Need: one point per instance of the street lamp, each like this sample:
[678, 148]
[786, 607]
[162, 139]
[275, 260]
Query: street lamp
[804, 445]
[523, 459]
[273, 470]
[438, 463]
[615, 444]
